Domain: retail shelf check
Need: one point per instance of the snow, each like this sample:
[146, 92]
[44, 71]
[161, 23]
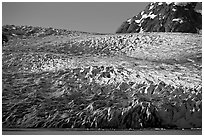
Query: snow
[198, 11]
[174, 9]
[168, 3]
[151, 7]
[178, 20]
[152, 16]
[181, 3]
[150, 12]
[13, 34]
[129, 20]
[144, 16]
[178, 3]
[141, 30]
[160, 3]
[137, 21]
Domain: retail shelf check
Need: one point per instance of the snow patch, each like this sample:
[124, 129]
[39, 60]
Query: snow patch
[178, 20]
[198, 11]
[181, 3]
[173, 9]
[129, 20]
[150, 12]
[178, 3]
[137, 21]
[144, 16]
[152, 16]
[168, 3]
[151, 7]
[142, 13]
[160, 3]
[160, 18]
[141, 30]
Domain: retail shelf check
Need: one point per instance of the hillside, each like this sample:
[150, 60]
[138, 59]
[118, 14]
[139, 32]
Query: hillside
[68, 79]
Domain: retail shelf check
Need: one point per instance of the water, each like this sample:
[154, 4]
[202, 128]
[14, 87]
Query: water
[33, 131]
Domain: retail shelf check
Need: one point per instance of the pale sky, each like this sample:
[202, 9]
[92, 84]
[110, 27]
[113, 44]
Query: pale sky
[104, 17]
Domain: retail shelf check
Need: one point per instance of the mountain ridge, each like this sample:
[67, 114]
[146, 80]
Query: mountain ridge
[165, 17]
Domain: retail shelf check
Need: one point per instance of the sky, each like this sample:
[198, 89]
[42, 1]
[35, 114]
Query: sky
[102, 17]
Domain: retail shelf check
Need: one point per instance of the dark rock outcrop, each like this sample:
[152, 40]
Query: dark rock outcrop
[165, 17]
[4, 38]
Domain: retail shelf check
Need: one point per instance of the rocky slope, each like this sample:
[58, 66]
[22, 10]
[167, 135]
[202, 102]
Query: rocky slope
[165, 17]
[110, 81]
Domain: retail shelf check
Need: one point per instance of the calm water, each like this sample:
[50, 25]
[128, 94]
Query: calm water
[98, 132]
